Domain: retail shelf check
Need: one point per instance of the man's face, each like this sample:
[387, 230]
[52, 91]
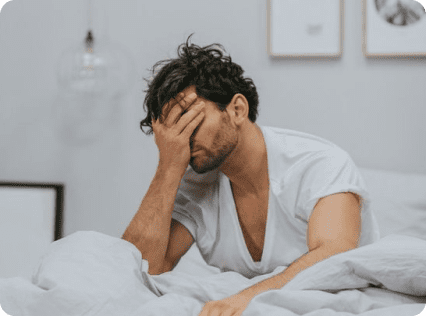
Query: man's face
[213, 140]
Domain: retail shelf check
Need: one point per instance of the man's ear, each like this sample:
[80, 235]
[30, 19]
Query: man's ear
[238, 109]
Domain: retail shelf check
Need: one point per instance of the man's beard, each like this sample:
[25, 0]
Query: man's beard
[224, 144]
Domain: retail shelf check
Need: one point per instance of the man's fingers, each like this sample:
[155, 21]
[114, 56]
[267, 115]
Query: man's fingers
[154, 123]
[186, 101]
[173, 116]
[166, 110]
[189, 129]
[175, 108]
[172, 110]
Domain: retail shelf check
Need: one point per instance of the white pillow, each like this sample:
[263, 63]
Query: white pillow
[398, 200]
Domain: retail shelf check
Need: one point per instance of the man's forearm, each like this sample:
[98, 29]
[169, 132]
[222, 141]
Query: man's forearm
[149, 229]
[304, 262]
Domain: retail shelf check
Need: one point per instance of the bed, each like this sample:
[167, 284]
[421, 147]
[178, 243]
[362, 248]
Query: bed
[89, 273]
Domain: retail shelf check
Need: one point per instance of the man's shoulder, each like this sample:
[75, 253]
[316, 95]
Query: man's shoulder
[292, 153]
[296, 143]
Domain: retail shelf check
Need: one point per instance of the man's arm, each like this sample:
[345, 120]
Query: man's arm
[334, 227]
[151, 229]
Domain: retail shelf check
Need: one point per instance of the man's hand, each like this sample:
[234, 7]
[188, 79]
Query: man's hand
[230, 306]
[172, 135]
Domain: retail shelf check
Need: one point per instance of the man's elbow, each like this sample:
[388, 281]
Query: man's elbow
[335, 247]
[160, 269]
[343, 246]
[154, 271]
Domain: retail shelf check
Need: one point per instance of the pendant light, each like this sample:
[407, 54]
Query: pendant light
[93, 76]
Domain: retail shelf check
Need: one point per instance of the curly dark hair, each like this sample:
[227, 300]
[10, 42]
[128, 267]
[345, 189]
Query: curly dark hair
[215, 77]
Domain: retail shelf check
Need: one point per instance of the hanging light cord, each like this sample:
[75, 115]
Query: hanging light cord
[89, 38]
[89, 14]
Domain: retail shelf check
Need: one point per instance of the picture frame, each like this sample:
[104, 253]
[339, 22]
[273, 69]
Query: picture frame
[305, 28]
[32, 218]
[393, 30]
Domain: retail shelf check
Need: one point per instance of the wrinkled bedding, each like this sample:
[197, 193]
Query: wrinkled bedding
[89, 273]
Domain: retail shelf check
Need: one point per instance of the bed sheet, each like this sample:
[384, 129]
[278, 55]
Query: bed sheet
[89, 273]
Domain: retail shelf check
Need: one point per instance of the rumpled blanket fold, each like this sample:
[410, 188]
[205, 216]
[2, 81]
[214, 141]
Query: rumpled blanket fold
[89, 273]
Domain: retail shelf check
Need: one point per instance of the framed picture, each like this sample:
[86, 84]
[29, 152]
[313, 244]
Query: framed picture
[394, 28]
[31, 219]
[305, 28]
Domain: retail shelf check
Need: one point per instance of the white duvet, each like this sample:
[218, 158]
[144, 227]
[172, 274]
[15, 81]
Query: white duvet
[89, 273]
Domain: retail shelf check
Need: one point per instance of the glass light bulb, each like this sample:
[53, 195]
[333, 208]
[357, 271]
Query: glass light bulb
[92, 77]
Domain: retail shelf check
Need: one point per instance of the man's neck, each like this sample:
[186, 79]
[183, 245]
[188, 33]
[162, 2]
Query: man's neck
[247, 166]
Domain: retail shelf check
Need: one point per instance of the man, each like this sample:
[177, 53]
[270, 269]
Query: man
[253, 198]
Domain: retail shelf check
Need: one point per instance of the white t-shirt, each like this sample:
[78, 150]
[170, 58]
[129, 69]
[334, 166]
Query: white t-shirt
[302, 169]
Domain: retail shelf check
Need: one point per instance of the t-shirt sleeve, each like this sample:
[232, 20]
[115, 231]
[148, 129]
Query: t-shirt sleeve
[181, 213]
[326, 173]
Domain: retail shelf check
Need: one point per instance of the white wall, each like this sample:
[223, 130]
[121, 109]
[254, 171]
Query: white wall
[374, 109]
